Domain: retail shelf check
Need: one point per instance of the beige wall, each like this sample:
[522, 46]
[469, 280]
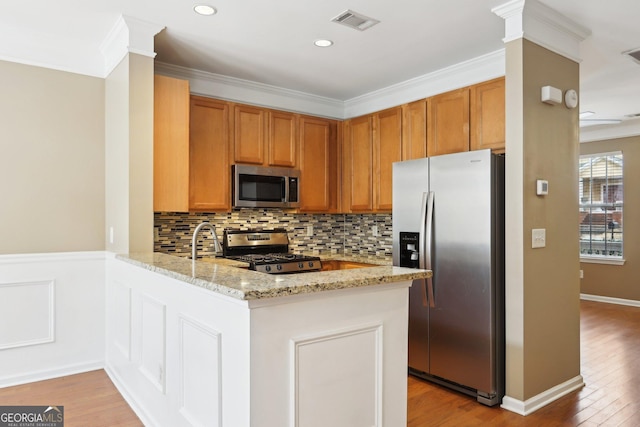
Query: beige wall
[129, 155]
[619, 281]
[542, 285]
[51, 161]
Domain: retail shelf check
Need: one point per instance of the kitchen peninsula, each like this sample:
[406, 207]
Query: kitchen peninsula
[211, 343]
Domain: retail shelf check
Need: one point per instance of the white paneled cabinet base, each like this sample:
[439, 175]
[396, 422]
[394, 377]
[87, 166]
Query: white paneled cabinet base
[334, 358]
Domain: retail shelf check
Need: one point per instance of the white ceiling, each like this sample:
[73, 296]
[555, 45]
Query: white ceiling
[271, 42]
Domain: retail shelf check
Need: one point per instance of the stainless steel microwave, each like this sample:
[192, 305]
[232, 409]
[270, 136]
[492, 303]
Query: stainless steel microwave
[265, 187]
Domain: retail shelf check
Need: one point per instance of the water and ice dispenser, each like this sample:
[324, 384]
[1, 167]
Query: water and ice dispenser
[409, 252]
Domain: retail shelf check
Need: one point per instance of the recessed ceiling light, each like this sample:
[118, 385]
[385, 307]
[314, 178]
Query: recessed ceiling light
[323, 43]
[204, 9]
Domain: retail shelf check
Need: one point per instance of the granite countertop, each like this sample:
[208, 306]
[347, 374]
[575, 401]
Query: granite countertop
[229, 278]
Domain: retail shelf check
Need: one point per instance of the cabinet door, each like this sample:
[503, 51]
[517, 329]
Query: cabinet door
[488, 115]
[170, 145]
[249, 134]
[318, 165]
[210, 168]
[414, 130]
[282, 139]
[448, 130]
[387, 127]
[359, 164]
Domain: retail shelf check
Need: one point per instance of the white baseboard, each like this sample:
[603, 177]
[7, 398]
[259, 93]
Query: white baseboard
[48, 374]
[139, 410]
[610, 300]
[536, 402]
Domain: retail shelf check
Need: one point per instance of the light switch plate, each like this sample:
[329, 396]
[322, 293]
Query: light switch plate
[538, 238]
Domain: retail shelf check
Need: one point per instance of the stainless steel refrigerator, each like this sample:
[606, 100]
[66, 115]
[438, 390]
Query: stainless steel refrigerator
[448, 216]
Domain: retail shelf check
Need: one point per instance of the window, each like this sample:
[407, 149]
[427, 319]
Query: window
[601, 203]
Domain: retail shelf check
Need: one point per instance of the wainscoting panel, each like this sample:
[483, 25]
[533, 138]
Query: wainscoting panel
[152, 345]
[201, 374]
[122, 322]
[52, 315]
[30, 305]
[333, 368]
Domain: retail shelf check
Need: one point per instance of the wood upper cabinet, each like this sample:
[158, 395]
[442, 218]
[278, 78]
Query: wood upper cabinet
[318, 148]
[281, 140]
[414, 130]
[249, 130]
[387, 143]
[358, 164]
[488, 115]
[210, 187]
[264, 137]
[372, 143]
[448, 115]
[170, 145]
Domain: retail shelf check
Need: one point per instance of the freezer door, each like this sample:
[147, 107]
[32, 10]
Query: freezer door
[410, 184]
[462, 333]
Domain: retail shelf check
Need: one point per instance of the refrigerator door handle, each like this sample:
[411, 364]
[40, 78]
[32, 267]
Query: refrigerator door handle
[428, 245]
[422, 262]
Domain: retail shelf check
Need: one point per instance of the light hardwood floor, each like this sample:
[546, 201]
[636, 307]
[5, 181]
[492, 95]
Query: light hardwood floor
[610, 367]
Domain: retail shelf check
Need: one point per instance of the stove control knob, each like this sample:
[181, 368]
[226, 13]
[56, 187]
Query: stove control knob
[268, 268]
[310, 263]
[279, 267]
[301, 265]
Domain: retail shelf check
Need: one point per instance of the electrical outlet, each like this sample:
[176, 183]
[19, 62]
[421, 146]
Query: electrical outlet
[309, 230]
[111, 235]
[581, 274]
[538, 238]
[374, 231]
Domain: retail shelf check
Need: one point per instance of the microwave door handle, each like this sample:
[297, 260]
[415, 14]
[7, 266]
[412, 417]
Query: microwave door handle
[286, 189]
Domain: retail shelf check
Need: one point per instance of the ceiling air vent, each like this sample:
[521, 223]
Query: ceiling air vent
[355, 20]
[634, 54]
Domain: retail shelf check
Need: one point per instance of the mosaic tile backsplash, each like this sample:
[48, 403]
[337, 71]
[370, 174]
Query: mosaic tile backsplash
[339, 233]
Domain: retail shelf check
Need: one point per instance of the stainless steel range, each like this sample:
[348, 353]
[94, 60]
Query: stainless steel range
[266, 251]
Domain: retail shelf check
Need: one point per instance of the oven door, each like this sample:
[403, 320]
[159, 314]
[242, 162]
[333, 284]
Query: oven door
[256, 186]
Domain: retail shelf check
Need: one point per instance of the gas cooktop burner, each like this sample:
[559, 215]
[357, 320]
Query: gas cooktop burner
[280, 263]
[266, 251]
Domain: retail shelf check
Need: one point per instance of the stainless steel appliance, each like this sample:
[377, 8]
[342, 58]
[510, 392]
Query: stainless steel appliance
[266, 251]
[265, 187]
[448, 216]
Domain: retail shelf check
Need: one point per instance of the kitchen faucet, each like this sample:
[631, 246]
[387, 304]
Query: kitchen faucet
[194, 241]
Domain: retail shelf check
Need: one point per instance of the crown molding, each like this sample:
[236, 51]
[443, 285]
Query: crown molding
[542, 25]
[128, 35]
[45, 50]
[250, 92]
[476, 70]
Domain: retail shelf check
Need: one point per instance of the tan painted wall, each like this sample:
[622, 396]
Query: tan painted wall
[51, 161]
[129, 155]
[141, 154]
[619, 281]
[543, 344]
[117, 158]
